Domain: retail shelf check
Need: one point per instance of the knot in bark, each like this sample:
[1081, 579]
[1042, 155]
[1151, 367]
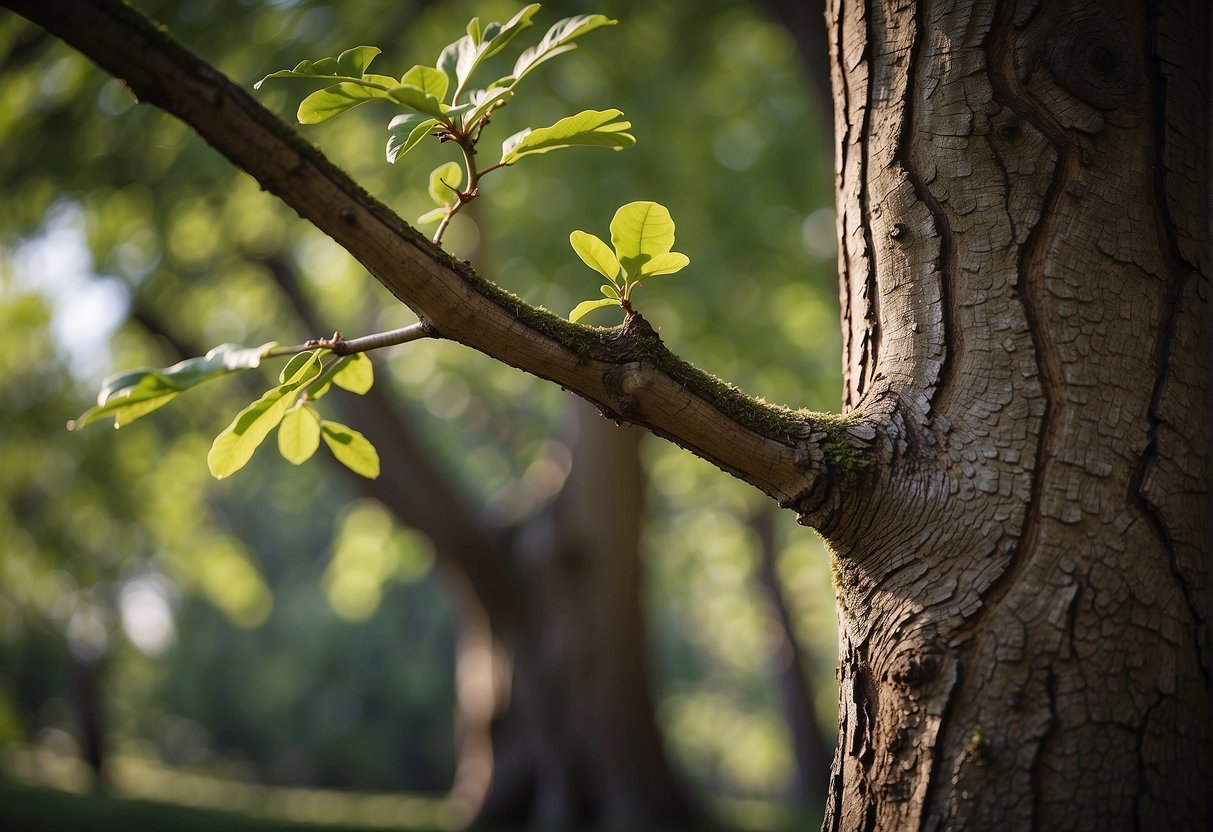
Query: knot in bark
[1094, 60]
[913, 670]
[626, 383]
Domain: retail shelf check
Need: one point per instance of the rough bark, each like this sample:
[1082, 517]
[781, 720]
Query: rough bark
[1022, 601]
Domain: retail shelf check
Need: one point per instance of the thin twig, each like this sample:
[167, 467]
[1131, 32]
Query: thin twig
[340, 346]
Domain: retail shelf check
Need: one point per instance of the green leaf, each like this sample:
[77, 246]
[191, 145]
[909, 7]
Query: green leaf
[484, 101]
[556, 42]
[473, 30]
[134, 393]
[435, 215]
[609, 290]
[351, 449]
[499, 38]
[668, 263]
[596, 254]
[235, 445]
[349, 65]
[592, 128]
[580, 310]
[456, 58]
[332, 101]
[299, 434]
[357, 374]
[423, 102]
[427, 79]
[324, 381]
[406, 131]
[444, 183]
[639, 232]
[460, 59]
[300, 361]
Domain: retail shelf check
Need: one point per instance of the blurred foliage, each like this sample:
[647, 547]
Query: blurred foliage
[270, 626]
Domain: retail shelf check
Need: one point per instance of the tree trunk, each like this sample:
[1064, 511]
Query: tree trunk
[1022, 594]
[574, 737]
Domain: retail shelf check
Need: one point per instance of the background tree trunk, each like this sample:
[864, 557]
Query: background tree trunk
[1022, 597]
[575, 739]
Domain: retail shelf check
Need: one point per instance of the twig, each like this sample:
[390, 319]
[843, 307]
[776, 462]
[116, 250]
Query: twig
[340, 346]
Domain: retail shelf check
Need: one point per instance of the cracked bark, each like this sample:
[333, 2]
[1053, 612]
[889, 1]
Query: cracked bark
[1023, 604]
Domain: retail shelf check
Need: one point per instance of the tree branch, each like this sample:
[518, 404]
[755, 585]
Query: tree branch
[627, 372]
[343, 346]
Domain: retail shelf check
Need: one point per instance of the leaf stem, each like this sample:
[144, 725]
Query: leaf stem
[467, 146]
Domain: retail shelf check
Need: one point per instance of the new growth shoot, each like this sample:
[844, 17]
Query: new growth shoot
[439, 101]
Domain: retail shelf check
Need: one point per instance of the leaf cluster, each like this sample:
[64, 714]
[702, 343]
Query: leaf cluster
[642, 236]
[288, 406]
[440, 101]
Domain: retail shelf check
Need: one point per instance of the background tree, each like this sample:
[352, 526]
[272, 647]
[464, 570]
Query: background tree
[1018, 524]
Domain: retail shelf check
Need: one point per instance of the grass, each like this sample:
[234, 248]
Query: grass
[24, 808]
[41, 789]
[45, 790]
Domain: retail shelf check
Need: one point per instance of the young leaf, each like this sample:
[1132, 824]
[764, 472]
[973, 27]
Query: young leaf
[406, 132]
[596, 254]
[639, 232]
[324, 381]
[434, 215]
[427, 79]
[333, 101]
[457, 56]
[298, 362]
[357, 374]
[460, 59]
[668, 263]
[473, 30]
[299, 434]
[351, 448]
[444, 183]
[585, 306]
[591, 128]
[419, 100]
[349, 65]
[484, 101]
[499, 38]
[556, 42]
[133, 393]
[235, 445]
[609, 290]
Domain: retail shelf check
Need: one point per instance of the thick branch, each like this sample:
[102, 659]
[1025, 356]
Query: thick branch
[627, 372]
